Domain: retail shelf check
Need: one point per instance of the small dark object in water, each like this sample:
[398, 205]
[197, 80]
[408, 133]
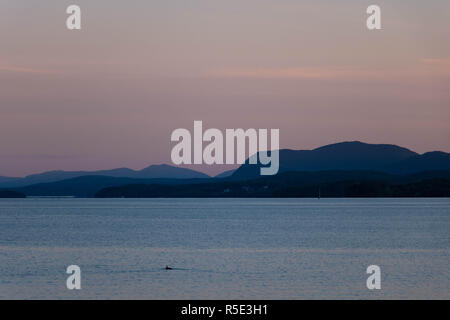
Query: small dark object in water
[168, 268]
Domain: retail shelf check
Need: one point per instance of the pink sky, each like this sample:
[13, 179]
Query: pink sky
[111, 94]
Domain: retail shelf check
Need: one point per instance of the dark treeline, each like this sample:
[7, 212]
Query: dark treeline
[296, 184]
[11, 194]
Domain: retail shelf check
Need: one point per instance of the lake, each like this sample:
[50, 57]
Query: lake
[225, 248]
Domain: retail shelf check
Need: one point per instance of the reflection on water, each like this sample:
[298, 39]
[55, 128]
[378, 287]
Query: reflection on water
[225, 248]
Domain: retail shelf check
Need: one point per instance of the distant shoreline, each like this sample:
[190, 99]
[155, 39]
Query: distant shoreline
[10, 194]
[322, 184]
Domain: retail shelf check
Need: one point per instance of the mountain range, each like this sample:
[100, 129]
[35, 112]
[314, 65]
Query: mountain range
[162, 171]
[350, 161]
[353, 155]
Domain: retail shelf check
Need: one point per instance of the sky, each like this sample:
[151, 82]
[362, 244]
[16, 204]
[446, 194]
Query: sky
[110, 95]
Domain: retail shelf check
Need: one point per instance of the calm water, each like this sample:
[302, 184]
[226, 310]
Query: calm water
[225, 248]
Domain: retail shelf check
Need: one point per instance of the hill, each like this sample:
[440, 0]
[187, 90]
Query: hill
[162, 171]
[356, 159]
[436, 160]
[353, 156]
[225, 174]
[87, 186]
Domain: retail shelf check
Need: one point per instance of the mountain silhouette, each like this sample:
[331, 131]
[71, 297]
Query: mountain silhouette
[354, 158]
[353, 155]
[225, 174]
[150, 172]
[87, 186]
[435, 160]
